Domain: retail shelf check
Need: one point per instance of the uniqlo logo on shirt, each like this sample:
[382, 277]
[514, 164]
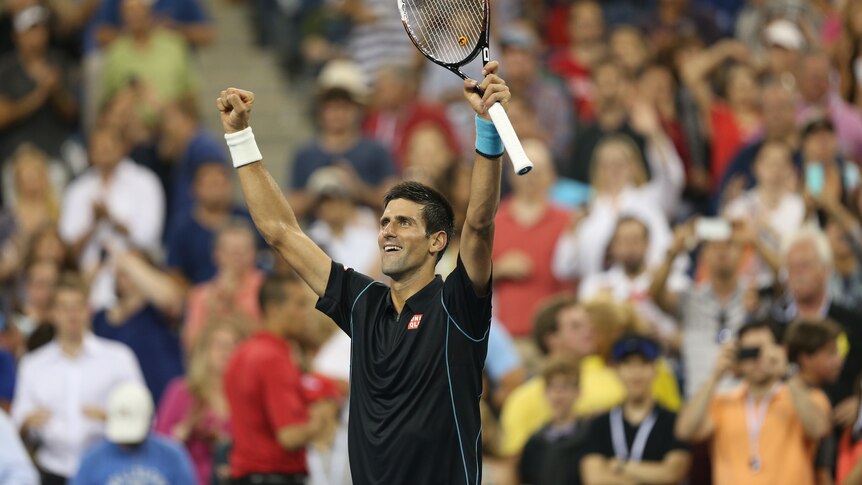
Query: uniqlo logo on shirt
[414, 322]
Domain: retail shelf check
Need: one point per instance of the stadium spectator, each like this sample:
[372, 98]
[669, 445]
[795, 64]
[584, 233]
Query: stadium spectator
[629, 279]
[15, 464]
[194, 409]
[104, 206]
[395, 111]
[577, 60]
[191, 240]
[658, 86]
[63, 387]
[552, 455]
[37, 101]
[765, 430]
[672, 19]
[628, 47]
[184, 147]
[807, 261]
[339, 106]
[785, 43]
[821, 155]
[709, 312]
[271, 417]
[819, 96]
[32, 308]
[32, 186]
[187, 17]
[233, 291]
[140, 319]
[346, 232]
[528, 227]
[779, 124]
[130, 453]
[731, 117]
[846, 54]
[149, 59]
[547, 97]
[634, 442]
[845, 239]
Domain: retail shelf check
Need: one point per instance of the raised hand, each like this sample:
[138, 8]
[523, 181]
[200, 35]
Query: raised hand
[234, 106]
[493, 87]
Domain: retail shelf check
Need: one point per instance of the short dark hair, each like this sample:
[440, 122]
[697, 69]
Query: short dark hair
[436, 210]
[274, 288]
[70, 281]
[561, 366]
[806, 337]
[545, 319]
[766, 324]
[625, 219]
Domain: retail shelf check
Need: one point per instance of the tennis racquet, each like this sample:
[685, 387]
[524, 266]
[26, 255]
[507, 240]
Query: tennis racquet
[452, 33]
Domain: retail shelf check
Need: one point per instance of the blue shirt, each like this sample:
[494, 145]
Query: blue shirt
[157, 461]
[202, 149]
[180, 11]
[190, 247]
[7, 376]
[371, 161]
[502, 355]
[153, 342]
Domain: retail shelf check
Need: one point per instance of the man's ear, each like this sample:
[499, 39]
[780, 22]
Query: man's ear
[439, 240]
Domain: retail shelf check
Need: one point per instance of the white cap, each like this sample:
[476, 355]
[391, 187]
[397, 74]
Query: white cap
[331, 180]
[784, 33]
[130, 413]
[29, 18]
[345, 75]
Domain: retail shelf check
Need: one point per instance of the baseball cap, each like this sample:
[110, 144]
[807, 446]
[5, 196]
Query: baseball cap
[519, 38]
[343, 75]
[29, 18]
[130, 413]
[635, 344]
[329, 181]
[784, 33]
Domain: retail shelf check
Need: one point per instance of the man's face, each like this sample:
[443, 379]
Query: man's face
[826, 363]
[235, 252]
[40, 284]
[294, 312]
[33, 40]
[779, 112]
[820, 146]
[806, 274]
[722, 257]
[575, 332]
[520, 64]
[70, 312]
[212, 187]
[813, 78]
[404, 247]
[838, 240]
[339, 115]
[637, 375]
[629, 246]
[561, 392]
[772, 166]
[759, 370]
[586, 22]
[137, 15]
[610, 85]
[106, 151]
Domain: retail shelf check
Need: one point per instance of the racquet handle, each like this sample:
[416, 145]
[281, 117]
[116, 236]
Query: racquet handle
[510, 139]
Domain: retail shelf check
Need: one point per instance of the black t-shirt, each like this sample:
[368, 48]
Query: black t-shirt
[661, 439]
[415, 378]
[554, 458]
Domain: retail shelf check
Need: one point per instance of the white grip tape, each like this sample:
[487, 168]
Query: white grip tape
[513, 146]
[243, 148]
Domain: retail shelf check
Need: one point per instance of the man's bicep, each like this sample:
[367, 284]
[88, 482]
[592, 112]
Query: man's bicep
[470, 310]
[475, 251]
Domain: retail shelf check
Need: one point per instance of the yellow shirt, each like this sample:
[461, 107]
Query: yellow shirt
[526, 410]
[786, 455]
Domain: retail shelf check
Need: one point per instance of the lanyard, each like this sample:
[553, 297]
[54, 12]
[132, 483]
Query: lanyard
[618, 436]
[755, 416]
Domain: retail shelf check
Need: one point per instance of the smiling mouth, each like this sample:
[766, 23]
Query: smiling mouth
[391, 248]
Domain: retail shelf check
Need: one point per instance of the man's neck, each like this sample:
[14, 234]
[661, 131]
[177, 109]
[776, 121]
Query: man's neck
[633, 272]
[811, 307]
[759, 391]
[408, 285]
[71, 345]
[611, 118]
[635, 410]
[563, 421]
[212, 216]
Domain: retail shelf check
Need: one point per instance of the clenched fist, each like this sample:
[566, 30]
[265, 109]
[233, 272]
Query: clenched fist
[235, 105]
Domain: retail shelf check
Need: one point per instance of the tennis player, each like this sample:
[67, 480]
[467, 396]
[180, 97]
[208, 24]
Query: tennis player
[418, 347]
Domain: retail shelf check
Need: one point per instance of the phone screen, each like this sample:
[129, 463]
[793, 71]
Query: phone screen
[815, 178]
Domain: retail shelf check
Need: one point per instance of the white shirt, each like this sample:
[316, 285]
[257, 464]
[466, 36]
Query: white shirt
[15, 466]
[356, 247]
[616, 283]
[134, 197]
[49, 379]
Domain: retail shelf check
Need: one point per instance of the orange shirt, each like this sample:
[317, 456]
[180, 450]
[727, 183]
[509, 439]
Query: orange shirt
[205, 302]
[786, 455]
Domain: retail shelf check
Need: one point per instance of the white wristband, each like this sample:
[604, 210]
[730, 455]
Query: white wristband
[243, 149]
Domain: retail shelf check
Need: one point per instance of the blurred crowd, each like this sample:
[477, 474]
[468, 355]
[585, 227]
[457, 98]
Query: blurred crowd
[677, 283]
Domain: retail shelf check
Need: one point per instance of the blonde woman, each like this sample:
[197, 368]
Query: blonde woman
[620, 187]
[194, 410]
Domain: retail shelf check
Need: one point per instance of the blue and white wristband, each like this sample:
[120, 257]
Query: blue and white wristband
[243, 148]
[488, 142]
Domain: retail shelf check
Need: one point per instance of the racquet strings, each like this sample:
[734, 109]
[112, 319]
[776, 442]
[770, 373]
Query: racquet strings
[446, 30]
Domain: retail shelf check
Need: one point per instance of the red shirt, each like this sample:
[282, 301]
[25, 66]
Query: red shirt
[578, 81]
[264, 389]
[516, 301]
[727, 139]
[395, 130]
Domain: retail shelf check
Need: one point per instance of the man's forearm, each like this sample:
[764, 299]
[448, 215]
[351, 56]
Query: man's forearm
[815, 423]
[693, 414]
[484, 192]
[670, 470]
